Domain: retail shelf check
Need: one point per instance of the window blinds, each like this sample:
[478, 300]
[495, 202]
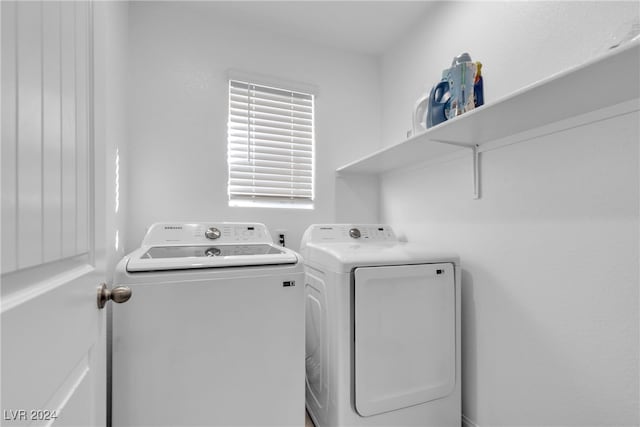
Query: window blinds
[270, 144]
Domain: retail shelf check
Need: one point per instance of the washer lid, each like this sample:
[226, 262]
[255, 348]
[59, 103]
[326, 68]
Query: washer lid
[176, 257]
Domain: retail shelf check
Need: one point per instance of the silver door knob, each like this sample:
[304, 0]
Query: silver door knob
[118, 294]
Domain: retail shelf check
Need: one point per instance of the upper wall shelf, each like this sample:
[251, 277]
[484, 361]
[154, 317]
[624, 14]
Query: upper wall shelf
[606, 81]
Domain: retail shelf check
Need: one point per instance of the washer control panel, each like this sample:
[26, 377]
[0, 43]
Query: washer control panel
[203, 233]
[349, 233]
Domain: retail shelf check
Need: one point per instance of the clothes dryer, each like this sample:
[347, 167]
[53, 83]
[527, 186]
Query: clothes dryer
[382, 329]
[214, 331]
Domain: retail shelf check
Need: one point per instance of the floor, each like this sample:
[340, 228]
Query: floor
[307, 420]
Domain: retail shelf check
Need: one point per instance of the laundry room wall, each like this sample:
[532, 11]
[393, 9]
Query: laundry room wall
[178, 90]
[550, 252]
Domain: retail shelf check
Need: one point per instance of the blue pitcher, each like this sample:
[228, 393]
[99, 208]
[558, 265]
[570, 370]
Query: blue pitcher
[439, 100]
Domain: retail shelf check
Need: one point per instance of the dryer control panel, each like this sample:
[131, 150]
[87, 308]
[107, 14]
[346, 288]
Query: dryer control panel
[206, 233]
[361, 233]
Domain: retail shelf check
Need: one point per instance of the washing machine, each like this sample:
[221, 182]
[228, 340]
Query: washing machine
[382, 329]
[213, 334]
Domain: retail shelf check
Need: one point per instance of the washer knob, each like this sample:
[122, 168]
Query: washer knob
[212, 233]
[355, 233]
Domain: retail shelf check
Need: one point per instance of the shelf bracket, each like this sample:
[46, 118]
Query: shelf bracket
[475, 153]
[476, 172]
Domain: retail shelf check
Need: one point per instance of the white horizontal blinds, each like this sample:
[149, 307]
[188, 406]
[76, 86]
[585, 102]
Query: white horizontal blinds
[270, 144]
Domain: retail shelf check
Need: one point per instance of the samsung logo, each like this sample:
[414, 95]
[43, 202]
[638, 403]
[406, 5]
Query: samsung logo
[170, 227]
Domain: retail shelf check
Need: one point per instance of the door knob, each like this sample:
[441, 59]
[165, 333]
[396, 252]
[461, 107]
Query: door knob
[118, 294]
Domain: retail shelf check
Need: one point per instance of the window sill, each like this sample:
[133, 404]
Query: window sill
[306, 205]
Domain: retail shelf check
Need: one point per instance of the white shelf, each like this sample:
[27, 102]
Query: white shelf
[606, 81]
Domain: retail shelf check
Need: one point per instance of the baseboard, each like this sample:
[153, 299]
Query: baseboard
[466, 422]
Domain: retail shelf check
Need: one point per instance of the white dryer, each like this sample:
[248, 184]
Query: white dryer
[214, 331]
[382, 329]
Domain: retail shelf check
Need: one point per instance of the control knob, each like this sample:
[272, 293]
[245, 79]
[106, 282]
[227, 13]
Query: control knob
[355, 233]
[212, 233]
[212, 252]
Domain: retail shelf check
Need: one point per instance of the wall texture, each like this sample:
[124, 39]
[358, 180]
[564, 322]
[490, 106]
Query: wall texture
[550, 253]
[178, 61]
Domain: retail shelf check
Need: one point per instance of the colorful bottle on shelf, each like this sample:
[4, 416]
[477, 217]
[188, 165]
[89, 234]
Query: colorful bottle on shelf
[478, 90]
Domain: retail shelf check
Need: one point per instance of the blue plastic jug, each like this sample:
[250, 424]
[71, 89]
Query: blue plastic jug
[439, 99]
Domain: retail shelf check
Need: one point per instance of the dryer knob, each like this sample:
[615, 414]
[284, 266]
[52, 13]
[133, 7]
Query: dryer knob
[355, 233]
[212, 233]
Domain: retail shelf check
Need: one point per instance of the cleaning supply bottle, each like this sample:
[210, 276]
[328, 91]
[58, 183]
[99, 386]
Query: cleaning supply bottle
[420, 115]
[478, 90]
[439, 102]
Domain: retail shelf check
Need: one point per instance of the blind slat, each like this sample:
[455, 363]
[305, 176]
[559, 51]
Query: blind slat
[267, 130]
[257, 136]
[303, 177]
[272, 191]
[239, 148]
[259, 171]
[299, 144]
[270, 164]
[254, 109]
[272, 185]
[260, 99]
[252, 196]
[258, 158]
[265, 92]
[283, 123]
[243, 99]
[269, 89]
[243, 176]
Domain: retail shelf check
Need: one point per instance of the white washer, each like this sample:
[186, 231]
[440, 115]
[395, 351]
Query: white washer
[382, 329]
[214, 331]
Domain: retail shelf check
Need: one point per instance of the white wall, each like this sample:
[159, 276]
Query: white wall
[178, 93]
[550, 253]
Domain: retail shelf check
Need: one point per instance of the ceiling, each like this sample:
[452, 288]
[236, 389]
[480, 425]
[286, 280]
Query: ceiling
[367, 27]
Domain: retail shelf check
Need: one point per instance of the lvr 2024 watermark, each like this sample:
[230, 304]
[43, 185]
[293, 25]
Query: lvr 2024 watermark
[29, 415]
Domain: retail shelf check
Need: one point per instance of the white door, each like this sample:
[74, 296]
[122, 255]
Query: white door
[53, 334]
[405, 336]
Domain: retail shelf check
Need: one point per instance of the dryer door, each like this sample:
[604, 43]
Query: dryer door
[404, 336]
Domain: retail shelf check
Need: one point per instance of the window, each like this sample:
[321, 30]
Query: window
[270, 146]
